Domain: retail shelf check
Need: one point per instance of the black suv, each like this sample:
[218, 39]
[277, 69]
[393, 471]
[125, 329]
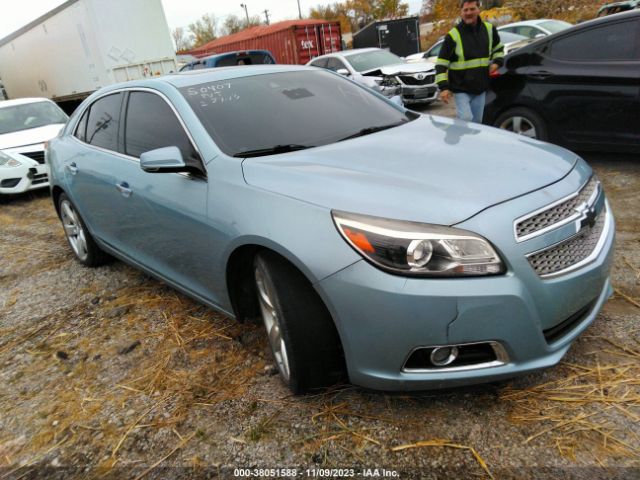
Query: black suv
[579, 88]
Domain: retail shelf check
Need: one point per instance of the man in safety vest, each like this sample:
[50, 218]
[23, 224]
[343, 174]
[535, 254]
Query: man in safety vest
[470, 51]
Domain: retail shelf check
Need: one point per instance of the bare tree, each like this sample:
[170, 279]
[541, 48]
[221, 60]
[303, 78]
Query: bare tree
[205, 29]
[232, 24]
[181, 40]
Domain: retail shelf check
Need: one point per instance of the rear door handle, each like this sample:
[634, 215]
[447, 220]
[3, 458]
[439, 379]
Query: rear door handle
[541, 75]
[123, 188]
[72, 168]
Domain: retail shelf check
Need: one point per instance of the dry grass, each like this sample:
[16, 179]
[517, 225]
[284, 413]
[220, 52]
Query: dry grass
[588, 408]
[132, 365]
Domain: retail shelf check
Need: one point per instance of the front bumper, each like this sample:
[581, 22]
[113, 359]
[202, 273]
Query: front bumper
[421, 94]
[24, 178]
[382, 318]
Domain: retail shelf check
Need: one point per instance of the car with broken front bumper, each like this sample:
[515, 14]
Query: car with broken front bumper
[384, 72]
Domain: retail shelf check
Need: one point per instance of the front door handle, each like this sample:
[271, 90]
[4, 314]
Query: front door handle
[72, 168]
[123, 188]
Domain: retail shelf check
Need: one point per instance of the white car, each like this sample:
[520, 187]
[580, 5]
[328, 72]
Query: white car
[535, 28]
[384, 72]
[25, 125]
[511, 42]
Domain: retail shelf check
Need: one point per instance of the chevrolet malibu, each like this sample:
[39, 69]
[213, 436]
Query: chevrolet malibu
[401, 251]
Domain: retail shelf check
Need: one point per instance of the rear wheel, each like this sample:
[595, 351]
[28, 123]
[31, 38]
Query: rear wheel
[523, 121]
[82, 243]
[301, 332]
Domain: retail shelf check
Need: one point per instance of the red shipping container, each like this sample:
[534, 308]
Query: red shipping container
[291, 41]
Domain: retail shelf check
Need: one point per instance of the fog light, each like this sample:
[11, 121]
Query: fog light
[443, 356]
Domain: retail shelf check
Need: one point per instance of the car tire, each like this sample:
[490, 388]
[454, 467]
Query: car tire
[80, 240]
[302, 336]
[523, 121]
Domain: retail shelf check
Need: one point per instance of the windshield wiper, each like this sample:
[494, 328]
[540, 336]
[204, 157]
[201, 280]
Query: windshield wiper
[368, 130]
[292, 147]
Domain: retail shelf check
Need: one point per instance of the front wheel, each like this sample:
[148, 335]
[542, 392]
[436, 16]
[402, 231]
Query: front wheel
[523, 121]
[302, 336]
[82, 243]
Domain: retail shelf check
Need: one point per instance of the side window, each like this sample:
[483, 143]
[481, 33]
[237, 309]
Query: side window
[335, 64]
[435, 51]
[152, 124]
[81, 128]
[527, 31]
[508, 30]
[605, 43]
[102, 122]
[322, 63]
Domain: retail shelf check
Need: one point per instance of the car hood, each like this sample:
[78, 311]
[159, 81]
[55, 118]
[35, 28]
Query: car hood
[30, 136]
[404, 68]
[433, 169]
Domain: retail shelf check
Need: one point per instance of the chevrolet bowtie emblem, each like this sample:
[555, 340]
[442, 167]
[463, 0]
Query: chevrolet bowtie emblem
[587, 218]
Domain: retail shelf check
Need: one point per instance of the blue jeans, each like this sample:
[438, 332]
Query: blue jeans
[470, 107]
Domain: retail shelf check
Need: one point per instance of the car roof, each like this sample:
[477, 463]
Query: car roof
[235, 52]
[22, 101]
[348, 53]
[584, 25]
[530, 22]
[197, 77]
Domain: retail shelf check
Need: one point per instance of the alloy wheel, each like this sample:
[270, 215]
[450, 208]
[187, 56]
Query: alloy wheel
[271, 320]
[520, 125]
[74, 230]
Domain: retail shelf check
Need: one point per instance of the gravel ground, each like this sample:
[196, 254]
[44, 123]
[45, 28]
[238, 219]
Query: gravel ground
[108, 373]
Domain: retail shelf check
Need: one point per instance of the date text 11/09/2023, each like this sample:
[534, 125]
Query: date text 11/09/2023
[315, 473]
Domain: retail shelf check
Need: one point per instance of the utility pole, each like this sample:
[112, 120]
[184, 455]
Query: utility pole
[299, 11]
[244, 5]
[266, 14]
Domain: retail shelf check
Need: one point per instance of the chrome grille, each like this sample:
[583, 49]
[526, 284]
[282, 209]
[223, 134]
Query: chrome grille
[412, 80]
[557, 214]
[37, 156]
[565, 255]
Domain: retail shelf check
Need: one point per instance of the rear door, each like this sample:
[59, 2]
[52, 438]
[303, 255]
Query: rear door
[588, 82]
[92, 171]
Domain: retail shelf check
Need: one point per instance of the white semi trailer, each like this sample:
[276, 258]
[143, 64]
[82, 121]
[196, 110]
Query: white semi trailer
[83, 45]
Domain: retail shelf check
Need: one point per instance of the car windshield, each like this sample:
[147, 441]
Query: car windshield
[555, 26]
[313, 108]
[30, 115]
[362, 62]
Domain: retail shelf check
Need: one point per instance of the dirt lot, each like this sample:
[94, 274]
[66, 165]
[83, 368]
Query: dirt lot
[107, 373]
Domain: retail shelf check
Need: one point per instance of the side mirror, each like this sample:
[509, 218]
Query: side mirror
[163, 160]
[343, 71]
[540, 35]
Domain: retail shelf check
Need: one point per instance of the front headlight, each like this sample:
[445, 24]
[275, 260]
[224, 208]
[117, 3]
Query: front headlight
[387, 81]
[8, 162]
[418, 249]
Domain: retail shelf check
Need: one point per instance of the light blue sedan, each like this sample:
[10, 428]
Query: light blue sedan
[402, 251]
